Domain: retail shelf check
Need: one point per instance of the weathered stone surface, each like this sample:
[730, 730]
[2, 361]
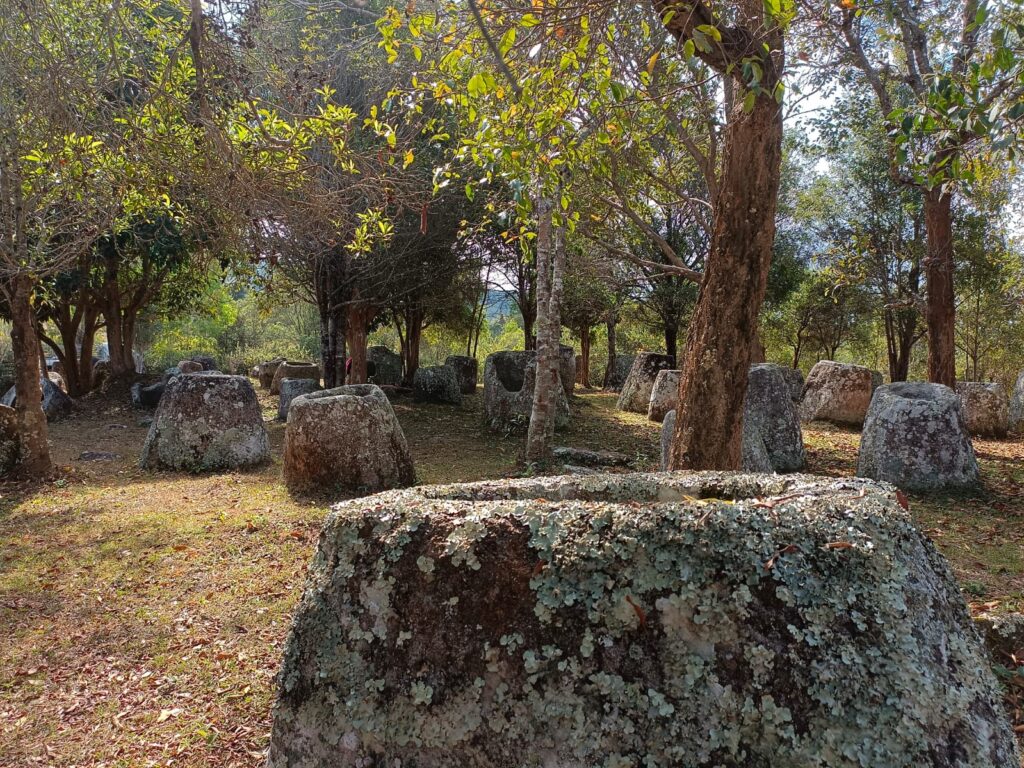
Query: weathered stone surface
[465, 371]
[345, 440]
[56, 404]
[636, 391]
[986, 408]
[693, 620]
[623, 365]
[877, 380]
[589, 458]
[508, 391]
[383, 366]
[147, 396]
[1016, 419]
[267, 370]
[1004, 638]
[10, 442]
[794, 379]
[915, 437]
[664, 394]
[567, 368]
[291, 369]
[770, 412]
[254, 372]
[754, 456]
[207, 362]
[57, 380]
[436, 384]
[290, 389]
[836, 392]
[206, 422]
[189, 366]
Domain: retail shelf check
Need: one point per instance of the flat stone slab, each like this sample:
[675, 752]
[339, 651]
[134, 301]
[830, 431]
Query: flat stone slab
[590, 458]
[697, 619]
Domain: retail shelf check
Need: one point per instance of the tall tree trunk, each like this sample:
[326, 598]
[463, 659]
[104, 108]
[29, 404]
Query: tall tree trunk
[332, 345]
[719, 346]
[671, 340]
[609, 369]
[550, 267]
[941, 304]
[413, 337]
[583, 375]
[32, 427]
[357, 332]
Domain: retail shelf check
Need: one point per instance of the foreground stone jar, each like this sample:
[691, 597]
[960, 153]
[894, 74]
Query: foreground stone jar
[915, 437]
[634, 620]
[206, 422]
[345, 440]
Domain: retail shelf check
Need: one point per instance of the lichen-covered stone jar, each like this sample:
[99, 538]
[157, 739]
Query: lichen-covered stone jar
[634, 620]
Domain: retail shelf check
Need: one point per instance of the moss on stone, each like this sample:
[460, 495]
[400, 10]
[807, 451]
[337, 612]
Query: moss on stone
[634, 620]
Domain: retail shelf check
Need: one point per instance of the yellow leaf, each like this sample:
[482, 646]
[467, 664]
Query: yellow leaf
[652, 61]
[408, 159]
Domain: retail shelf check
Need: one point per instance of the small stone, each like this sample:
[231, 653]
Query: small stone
[189, 366]
[98, 456]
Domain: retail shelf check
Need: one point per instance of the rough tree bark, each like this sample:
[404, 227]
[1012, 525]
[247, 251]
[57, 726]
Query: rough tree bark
[32, 428]
[409, 323]
[360, 316]
[583, 374]
[550, 269]
[671, 333]
[723, 331]
[609, 369]
[941, 304]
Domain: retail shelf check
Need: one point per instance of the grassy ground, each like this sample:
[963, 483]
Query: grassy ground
[143, 613]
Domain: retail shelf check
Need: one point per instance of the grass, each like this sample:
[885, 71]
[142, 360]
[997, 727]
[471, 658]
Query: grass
[144, 613]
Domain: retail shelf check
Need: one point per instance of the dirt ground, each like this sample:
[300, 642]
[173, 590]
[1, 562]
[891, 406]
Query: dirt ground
[143, 614]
